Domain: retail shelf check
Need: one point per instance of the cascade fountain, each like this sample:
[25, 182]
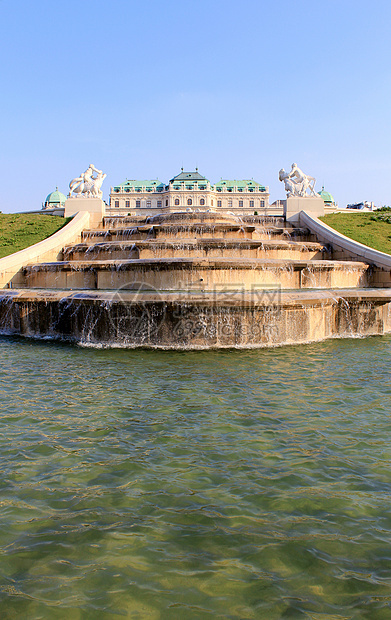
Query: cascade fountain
[194, 280]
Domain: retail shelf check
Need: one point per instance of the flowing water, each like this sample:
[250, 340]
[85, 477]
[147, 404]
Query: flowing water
[185, 485]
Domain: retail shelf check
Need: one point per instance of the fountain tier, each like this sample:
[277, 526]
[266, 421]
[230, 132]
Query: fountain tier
[195, 273]
[186, 320]
[201, 248]
[195, 231]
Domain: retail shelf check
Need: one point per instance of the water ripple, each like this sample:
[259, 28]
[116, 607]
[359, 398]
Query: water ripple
[221, 484]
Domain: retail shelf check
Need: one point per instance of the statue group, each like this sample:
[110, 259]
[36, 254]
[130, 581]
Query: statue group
[297, 183]
[87, 184]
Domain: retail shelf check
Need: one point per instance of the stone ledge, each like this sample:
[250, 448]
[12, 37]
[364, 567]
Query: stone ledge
[43, 251]
[301, 296]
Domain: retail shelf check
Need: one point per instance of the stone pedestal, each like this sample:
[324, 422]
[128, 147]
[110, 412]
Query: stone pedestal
[94, 206]
[294, 205]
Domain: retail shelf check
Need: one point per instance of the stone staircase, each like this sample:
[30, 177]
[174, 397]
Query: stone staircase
[196, 253]
[138, 279]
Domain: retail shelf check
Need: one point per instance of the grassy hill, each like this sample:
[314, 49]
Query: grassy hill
[373, 229]
[18, 231]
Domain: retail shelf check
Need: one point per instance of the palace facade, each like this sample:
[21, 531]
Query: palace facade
[188, 191]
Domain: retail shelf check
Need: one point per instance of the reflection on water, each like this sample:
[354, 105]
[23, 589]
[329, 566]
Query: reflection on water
[221, 484]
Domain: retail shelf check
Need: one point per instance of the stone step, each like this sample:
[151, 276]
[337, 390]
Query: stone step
[197, 231]
[198, 274]
[200, 217]
[203, 248]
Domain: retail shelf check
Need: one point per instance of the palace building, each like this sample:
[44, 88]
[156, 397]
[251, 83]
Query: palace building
[188, 191]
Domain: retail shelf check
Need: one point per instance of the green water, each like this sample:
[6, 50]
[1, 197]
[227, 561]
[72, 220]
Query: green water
[221, 484]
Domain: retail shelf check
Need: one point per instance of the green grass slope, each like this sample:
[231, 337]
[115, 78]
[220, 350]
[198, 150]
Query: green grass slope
[19, 231]
[372, 229]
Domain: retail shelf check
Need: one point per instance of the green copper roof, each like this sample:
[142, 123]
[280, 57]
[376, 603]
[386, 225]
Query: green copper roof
[189, 176]
[188, 179]
[55, 198]
[326, 196]
[240, 184]
[133, 184]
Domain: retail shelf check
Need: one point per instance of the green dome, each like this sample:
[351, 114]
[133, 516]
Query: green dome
[55, 199]
[326, 196]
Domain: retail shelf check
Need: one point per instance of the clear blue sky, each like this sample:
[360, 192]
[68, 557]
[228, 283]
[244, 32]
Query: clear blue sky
[239, 89]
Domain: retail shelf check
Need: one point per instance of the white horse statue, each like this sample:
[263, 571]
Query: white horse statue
[88, 185]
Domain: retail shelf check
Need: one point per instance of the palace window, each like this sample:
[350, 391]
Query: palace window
[240, 203]
[230, 203]
[127, 204]
[251, 204]
[148, 204]
[159, 204]
[176, 202]
[262, 204]
[189, 202]
[116, 204]
[138, 203]
[166, 202]
[202, 202]
[219, 203]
